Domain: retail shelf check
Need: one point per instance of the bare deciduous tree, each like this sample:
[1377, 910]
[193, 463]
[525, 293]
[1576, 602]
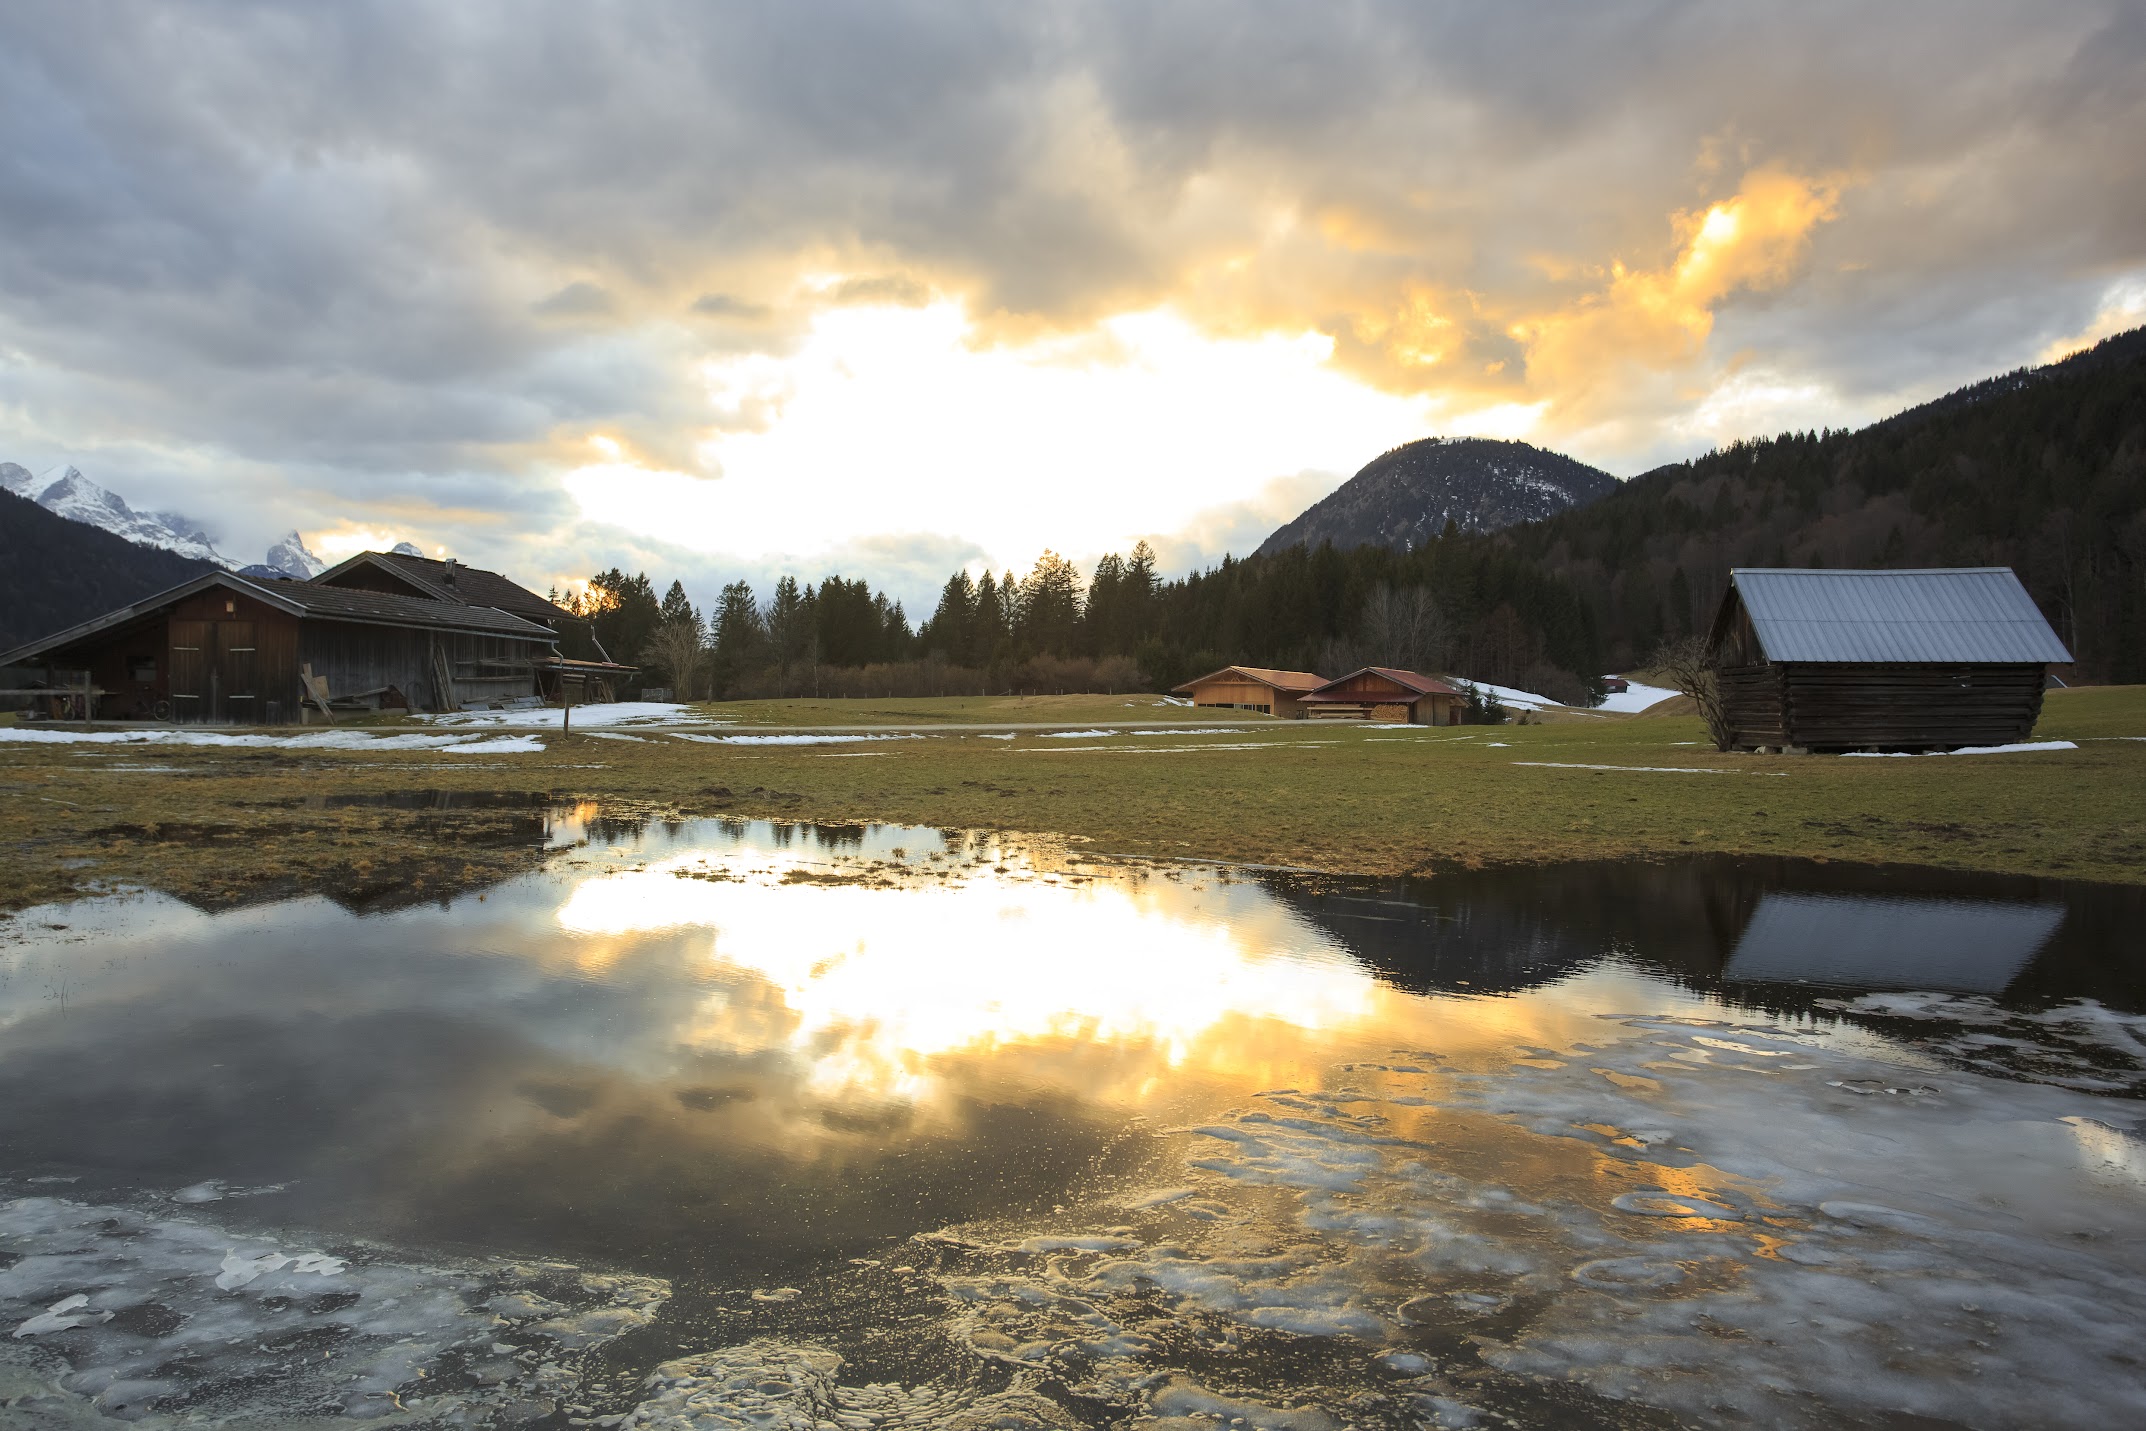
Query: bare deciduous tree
[1687, 664]
[677, 650]
[1405, 629]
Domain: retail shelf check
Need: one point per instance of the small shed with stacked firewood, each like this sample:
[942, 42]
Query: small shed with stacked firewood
[1839, 660]
[1386, 693]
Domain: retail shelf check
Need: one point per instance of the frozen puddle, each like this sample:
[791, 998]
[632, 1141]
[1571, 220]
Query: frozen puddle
[179, 1322]
[730, 1124]
[1673, 1246]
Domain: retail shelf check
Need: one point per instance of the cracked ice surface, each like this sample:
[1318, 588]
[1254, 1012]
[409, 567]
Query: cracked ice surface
[1722, 1221]
[183, 1323]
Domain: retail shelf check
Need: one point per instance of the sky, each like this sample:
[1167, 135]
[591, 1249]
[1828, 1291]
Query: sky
[885, 288]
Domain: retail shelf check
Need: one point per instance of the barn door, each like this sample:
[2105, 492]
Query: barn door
[236, 665]
[190, 661]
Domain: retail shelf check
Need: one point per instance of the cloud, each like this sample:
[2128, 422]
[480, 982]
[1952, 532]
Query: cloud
[391, 263]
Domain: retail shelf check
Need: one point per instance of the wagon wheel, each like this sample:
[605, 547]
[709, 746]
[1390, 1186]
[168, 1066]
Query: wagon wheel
[161, 710]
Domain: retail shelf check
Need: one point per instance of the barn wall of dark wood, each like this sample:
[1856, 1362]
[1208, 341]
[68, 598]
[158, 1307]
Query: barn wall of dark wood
[1848, 707]
[230, 658]
[1886, 707]
[358, 659]
[1752, 706]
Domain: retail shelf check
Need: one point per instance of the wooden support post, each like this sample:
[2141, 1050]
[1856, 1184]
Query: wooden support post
[566, 708]
[85, 699]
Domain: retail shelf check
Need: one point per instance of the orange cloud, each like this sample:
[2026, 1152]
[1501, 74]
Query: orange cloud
[1659, 319]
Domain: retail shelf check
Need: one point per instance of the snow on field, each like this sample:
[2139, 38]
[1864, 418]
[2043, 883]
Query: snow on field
[1075, 734]
[1646, 769]
[785, 739]
[591, 717]
[313, 740]
[1635, 697]
[1509, 697]
[1968, 750]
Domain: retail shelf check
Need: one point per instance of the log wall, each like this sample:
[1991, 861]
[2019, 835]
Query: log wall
[1827, 707]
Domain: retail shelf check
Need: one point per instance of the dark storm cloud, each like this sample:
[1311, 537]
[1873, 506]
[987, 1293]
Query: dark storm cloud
[318, 257]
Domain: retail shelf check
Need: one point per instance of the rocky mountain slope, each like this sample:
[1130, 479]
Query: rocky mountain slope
[1405, 497]
[55, 572]
[65, 492]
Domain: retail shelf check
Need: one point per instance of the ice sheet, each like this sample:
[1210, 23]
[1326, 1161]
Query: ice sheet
[141, 1313]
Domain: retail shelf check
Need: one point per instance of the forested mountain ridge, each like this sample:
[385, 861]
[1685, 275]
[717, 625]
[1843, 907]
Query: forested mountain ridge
[2042, 470]
[1419, 490]
[56, 573]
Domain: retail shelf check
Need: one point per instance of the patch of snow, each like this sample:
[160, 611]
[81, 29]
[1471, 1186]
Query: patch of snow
[1635, 697]
[1510, 697]
[1076, 734]
[591, 717]
[1966, 750]
[1649, 769]
[787, 739]
[345, 739]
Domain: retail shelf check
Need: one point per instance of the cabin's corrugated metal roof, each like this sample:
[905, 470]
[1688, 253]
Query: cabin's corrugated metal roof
[1967, 614]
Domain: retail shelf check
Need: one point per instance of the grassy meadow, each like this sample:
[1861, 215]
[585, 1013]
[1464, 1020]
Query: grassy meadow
[231, 825]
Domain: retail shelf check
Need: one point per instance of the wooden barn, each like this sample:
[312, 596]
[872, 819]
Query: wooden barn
[1384, 693]
[1826, 660]
[1253, 688]
[445, 579]
[228, 649]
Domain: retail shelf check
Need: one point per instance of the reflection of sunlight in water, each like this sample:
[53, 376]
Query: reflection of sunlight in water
[883, 981]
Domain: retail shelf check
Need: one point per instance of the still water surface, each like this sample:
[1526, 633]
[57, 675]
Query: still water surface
[737, 1124]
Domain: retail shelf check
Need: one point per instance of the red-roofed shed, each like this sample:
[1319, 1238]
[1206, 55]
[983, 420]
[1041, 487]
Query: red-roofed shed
[1384, 693]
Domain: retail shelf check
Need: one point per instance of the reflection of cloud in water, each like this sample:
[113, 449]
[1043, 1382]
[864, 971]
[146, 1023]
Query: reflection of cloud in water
[1878, 942]
[883, 981]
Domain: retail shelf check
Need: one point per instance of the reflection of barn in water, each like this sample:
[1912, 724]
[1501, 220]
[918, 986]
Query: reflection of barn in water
[1769, 933]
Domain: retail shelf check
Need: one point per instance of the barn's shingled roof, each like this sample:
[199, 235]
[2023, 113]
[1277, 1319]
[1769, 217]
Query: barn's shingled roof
[471, 585]
[303, 598]
[1279, 680]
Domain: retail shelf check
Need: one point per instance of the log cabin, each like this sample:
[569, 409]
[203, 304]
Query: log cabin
[226, 649]
[1385, 693]
[1839, 660]
[1253, 688]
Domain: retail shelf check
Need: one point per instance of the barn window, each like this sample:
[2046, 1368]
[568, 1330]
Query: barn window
[144, 668]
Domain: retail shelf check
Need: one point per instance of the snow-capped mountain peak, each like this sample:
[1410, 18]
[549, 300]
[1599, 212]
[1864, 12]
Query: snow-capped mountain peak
[292, 557]
[65, 492]
[405, 549]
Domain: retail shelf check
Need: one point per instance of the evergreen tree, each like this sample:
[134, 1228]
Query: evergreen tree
[622, 611]
[1047, 620]
[676, 607]
[951, 631]
[741, 641]
[788, 623]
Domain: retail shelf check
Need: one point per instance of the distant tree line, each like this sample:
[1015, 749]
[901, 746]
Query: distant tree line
[1448, 606]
